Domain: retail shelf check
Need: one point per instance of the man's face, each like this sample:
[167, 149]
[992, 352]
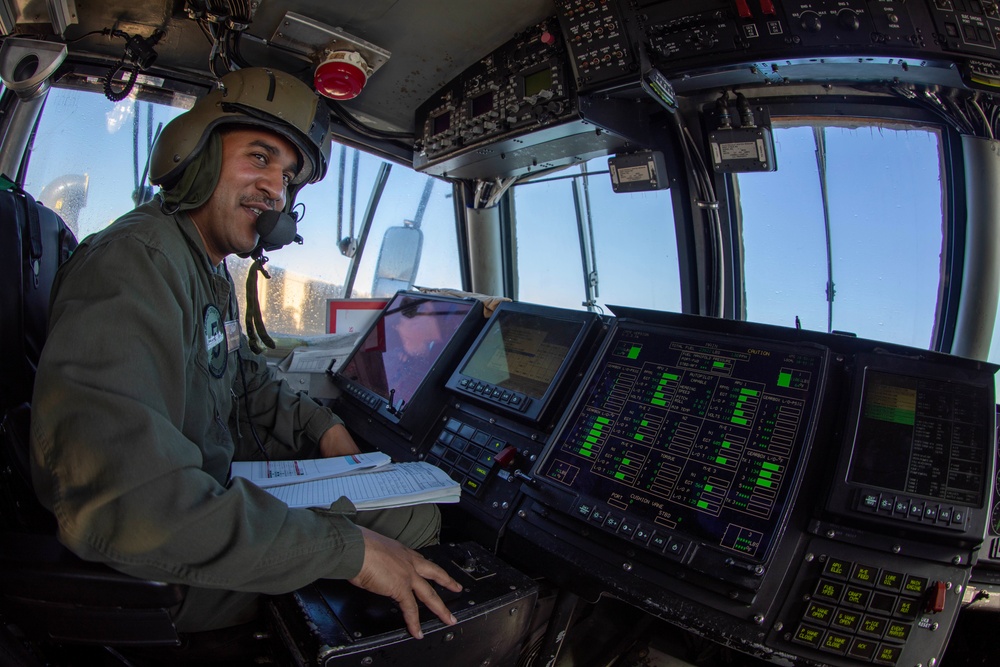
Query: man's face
[256, 168]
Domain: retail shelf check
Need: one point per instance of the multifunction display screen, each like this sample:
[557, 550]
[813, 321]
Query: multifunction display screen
[923, 437]
[406, 341]
[700, 434]
[522, 352]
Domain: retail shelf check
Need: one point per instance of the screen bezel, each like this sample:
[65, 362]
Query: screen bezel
[844, 494]
[538, 408]
[412, 414]
[570, 499]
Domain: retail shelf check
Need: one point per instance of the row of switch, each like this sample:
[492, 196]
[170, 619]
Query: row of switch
[658, 540]
[903, 508]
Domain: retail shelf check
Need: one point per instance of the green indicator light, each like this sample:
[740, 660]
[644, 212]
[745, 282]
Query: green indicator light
[626, 462]
[726, 445]
[718, 364]
[634, 352]
[644, 423]
[766, 474]
[702, 505]
[708, 488]
[603, 420]
[764, 483]
[619, 475]
[721, 460]
[656, 401]
[784, 379]
[740, 421]
[749, 392]
[671, 376]
[637, 436]
[893, 415]
[771, 466]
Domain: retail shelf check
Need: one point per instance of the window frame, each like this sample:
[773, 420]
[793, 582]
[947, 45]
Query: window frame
[881, 111]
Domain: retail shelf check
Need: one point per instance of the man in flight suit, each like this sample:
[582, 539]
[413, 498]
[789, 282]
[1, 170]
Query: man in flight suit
[145, 368]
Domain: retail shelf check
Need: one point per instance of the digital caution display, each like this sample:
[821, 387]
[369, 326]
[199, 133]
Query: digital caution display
[690, 434]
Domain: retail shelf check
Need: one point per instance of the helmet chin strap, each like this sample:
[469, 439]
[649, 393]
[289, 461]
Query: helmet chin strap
[275, 229]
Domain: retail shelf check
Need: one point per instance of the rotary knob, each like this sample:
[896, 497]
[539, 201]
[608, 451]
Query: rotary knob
[810, 21]
[848, 19]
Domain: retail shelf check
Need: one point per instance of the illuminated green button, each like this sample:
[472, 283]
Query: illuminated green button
[906, 608]
[889, 579]
[808, 635]
[915, 586]
[847, 620]
[837, 568]
[862, 649]
[888, 655]
[896, 631]
[873, 626]
[819, 613]
[835, 642]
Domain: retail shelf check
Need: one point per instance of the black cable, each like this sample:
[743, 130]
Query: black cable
[246, 405]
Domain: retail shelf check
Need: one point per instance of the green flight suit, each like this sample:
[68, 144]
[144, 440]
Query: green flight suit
[131, 444]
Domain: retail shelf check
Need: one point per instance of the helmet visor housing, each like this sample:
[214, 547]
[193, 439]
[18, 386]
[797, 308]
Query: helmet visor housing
[256, 96]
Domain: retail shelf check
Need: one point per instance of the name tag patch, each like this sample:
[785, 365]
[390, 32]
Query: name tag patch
[215, 341]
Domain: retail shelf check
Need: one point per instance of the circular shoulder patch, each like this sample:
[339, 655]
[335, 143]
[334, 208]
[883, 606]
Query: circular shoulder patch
[215, 341]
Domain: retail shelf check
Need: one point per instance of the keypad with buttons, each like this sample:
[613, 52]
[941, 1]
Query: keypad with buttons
[861, 611]
[466, 454]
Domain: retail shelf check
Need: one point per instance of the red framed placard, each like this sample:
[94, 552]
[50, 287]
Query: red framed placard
[352, 315]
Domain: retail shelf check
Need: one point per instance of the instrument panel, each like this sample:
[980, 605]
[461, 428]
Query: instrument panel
[726, 477]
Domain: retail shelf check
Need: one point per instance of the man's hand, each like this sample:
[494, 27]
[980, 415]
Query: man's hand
[395, 571]
[336, 441]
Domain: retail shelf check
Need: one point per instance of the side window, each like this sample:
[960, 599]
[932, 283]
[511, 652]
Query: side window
[89, 155]
[578, 241]
[418, 210]
[870, 262]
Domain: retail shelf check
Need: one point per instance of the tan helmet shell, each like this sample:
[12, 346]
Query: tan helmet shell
[260, 96]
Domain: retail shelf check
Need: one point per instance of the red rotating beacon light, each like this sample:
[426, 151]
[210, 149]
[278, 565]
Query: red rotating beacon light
[342, 75]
